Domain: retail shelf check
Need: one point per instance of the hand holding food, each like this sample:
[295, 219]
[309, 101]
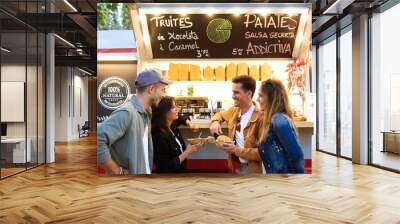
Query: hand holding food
[195, 141]
[193, 148]
[229, 147]
[215, 128]
[223, 139]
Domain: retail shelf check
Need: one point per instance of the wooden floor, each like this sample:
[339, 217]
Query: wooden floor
[70, 191]
[387, 159]
[5, 172]
[10, 171]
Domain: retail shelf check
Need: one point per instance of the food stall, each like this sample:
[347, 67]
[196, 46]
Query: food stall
[203, 46]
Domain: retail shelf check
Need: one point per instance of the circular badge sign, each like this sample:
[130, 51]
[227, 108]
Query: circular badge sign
[113, 92]
[219, 30]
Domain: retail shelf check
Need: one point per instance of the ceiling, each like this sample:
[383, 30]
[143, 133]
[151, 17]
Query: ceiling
[332, 15]
[76, 23]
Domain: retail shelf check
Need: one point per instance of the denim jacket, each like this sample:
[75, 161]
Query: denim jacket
[281, 151]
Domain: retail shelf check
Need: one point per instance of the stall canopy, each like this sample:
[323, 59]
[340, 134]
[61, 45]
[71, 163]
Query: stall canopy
[116, 45]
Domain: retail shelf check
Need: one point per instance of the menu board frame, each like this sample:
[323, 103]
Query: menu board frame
[141, 28]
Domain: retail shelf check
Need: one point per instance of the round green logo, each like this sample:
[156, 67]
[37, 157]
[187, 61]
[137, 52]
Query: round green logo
[219, 30]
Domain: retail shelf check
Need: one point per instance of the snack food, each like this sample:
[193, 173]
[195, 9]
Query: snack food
[219, 142]
[222, 139]
[195, 141]
[210, 140]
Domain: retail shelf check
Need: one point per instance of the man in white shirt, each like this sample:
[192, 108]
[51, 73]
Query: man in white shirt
[244, 122]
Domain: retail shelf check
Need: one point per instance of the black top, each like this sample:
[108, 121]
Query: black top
[167, 151]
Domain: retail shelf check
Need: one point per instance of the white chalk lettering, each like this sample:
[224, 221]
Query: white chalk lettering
[269, 21]
[287, 22]
[182, 22]
[280, 48]
[182, 47]
[183, 36]
[255, 35]
[277, 35]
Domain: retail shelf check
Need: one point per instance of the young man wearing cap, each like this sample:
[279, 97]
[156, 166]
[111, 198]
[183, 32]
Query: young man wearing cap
[124, 143]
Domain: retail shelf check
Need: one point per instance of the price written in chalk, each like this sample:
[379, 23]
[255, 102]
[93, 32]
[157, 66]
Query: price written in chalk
[202, 53]
[237, 51]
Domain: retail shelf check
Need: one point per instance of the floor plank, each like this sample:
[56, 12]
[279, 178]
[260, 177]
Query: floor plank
[69, 191]
[386, 159]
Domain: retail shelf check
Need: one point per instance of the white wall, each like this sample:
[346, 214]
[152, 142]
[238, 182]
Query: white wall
[79, 117]
[14, 73]
[61, 103]
[33, 126]
[71, 87]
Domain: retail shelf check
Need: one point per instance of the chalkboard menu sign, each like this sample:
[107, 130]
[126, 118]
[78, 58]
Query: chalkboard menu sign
[222, 35]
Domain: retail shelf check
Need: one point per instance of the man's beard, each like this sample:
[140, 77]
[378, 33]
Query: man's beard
[153, 102]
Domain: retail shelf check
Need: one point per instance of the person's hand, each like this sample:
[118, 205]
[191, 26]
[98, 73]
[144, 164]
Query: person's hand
[193, 148]
[124, 171]
[114, 168]
[229, 147]
[119, 171]
[189, 150]
[215, 128]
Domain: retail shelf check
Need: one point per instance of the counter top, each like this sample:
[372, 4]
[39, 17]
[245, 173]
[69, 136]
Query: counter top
[205, 125]
[304, 124]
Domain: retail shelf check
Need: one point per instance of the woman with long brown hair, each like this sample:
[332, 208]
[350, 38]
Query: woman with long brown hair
[170, 150]
[278, 145]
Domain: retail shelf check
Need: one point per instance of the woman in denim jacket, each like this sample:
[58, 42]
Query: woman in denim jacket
[279, 148]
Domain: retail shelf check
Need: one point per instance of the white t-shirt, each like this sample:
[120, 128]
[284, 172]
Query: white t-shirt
[146, 149]
[244, 120]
